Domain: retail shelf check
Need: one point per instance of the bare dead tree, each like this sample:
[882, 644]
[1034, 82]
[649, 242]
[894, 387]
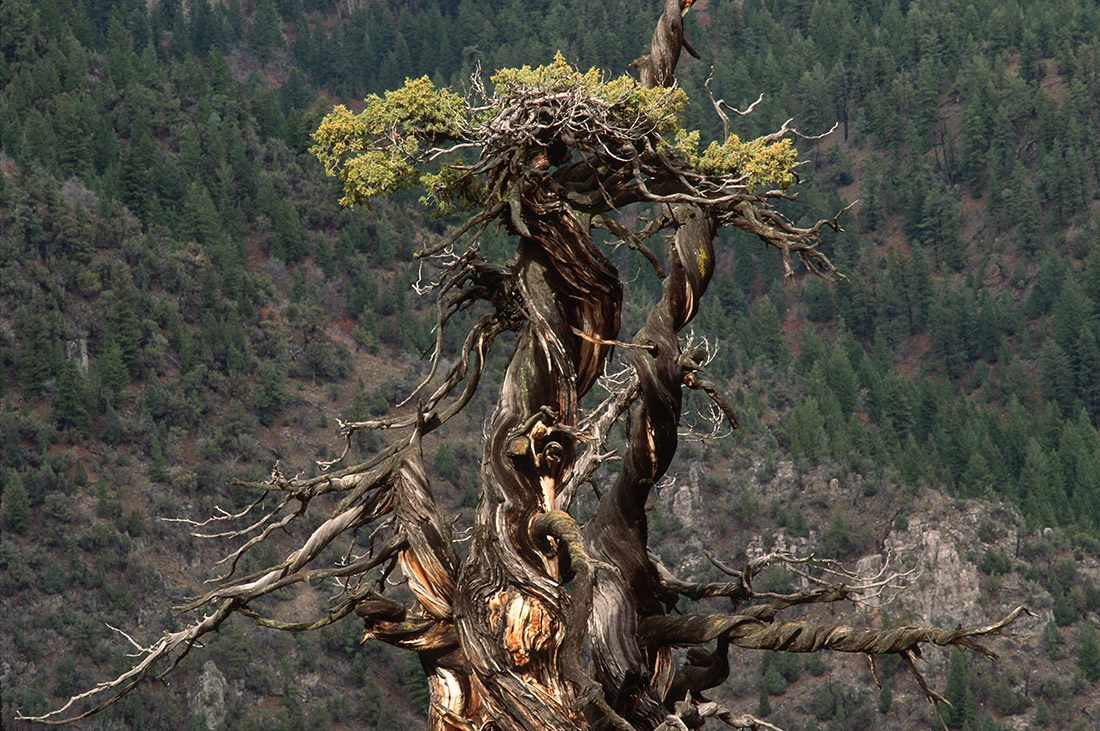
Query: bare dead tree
[501, 632]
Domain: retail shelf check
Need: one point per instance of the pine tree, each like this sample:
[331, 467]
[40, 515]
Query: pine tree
[885, 698]
[32, 358]
[1056, 377]
[70, 407]
[825, 703]
[764, 706]
[73, 124]
[1086, 368]
[120, 53]
[1071, 314]
[265, 34]
[774, 683]
[16, 514]
[1052, 638]
[199, 221]
[1088, 653]
[110, 370]
[959, 693]
[123, 324]
[270, 397]
[156, 459]
[1042, 714]
[806, 430]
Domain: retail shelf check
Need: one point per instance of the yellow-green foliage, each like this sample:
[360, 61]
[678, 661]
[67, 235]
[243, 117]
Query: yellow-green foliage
[757, 163]
[379, 150]
[374, 151]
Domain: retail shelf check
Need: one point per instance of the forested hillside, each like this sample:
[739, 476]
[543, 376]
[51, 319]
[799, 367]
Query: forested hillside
[184, 303]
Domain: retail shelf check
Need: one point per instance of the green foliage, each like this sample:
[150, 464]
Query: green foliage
[1008, 702]
[377, 152]
[806, 430]
[54, 581]
[1042, 714]
[70, 406]
[447, 464]
[156, 459]
[774, 682]
[1088, 653]
[962, 710]
[372, 150]
[885, 698]
[16, 512]
[270, 397]
[1052, 637]
[994, 563]
[764, 705]
[845, 537]
[815, 666]
[825, 704]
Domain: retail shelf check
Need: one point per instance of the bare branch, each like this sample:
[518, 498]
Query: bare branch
[719, 103]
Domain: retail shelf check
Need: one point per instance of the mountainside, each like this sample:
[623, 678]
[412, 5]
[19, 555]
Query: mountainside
[184, 303]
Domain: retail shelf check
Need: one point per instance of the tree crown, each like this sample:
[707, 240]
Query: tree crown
[395, 142]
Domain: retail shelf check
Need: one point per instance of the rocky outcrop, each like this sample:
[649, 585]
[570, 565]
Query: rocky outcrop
[208, 700]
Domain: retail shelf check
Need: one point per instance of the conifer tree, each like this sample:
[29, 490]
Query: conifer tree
[156, 459]
[806, 430]
[110, 370]
[959, 693]
[70, 406]
[33, 358]
[1088, 653]
[120, 53]
[16, 513]
[1042, 714]
[885, 698]
[270, 397]
[764, 706]
[265, 35]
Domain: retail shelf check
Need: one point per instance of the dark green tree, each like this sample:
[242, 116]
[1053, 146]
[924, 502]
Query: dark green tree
[806, 429]
[265, 34]
[885, 698]
[1056, 376]
[270, 397]
[960, 694]
[120, 53]
[1042, 714]
[1088, 652]
[109, 369]
[156, 459]
[71, 403]
[16, 513]
[764, 705]
[33, 358]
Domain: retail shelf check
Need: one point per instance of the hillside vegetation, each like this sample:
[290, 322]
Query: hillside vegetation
[183, 303]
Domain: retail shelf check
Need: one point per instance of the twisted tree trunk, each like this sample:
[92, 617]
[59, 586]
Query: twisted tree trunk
[512, 608]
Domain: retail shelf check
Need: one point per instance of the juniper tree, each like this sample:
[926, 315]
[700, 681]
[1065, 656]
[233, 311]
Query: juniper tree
[502, 632]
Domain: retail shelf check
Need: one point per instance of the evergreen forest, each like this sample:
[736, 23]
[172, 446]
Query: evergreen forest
[184, 303]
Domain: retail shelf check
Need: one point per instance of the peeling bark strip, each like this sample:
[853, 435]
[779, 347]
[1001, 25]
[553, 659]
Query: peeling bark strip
[501, 633]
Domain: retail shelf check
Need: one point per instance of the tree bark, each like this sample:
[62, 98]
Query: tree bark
[511, 608]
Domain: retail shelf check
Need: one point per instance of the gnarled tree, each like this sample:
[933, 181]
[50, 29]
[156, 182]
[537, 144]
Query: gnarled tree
[503, 633]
